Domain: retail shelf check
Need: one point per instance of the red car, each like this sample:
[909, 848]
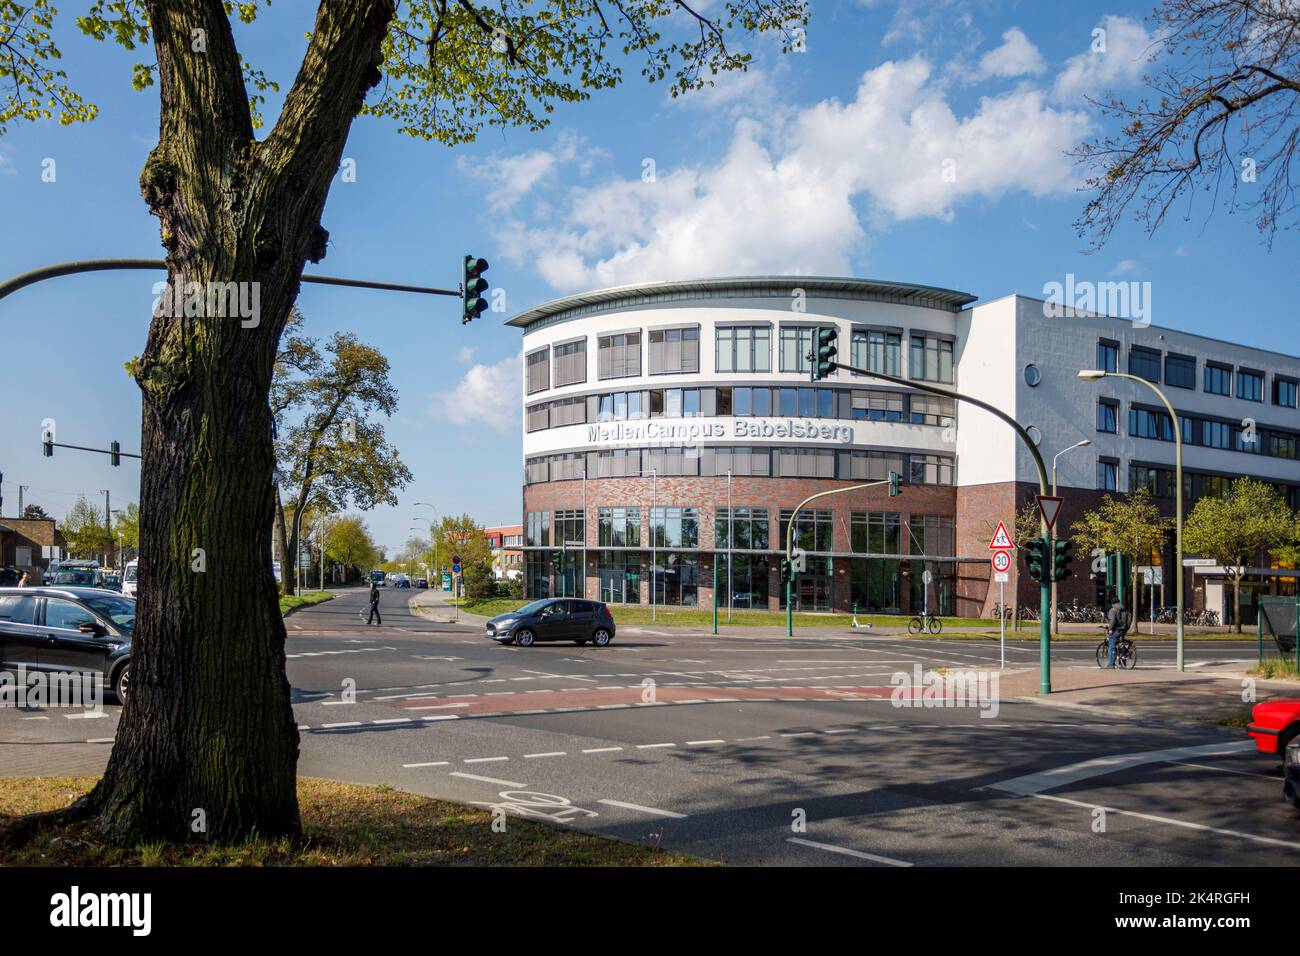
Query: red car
[1274, 724]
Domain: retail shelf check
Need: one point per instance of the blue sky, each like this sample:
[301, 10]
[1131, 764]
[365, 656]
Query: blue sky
[826, 161]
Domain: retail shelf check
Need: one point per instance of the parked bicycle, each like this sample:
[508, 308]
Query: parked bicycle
[1002, 611]
[924, 622]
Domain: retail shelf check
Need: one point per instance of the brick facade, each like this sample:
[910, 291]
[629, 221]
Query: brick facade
[33, 533]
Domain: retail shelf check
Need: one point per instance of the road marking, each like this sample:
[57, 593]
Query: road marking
[1187, 824]
[346, 723]
[702, 743]
[653, 746]
[86, 715]
[471, 776]
[485, 759]
[436, 706]
[744, 739]
[553, 753]
[831, 848]
[1035, 783]
[557, 676]
[393, 720]
[435, 763]
[100, 740]
[442, 717]
[602, 750]
[651, 810]
[1244, 773]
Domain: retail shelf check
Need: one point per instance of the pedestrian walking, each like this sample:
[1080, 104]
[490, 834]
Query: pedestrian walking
[374, 607]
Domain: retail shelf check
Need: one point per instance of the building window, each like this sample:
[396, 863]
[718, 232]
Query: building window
[620, 577]
[814, 531]
[537, 470]
[1180, 371]
[536, 575]
[744, 348]
[677, 579]
[931, 535]
[931, 470]
[1250, 385]
[538, 365]
[675, 527]
[932, 410]
[876, 532]
[1107, 416]
[672, 461]
[619, 527]
[1107, 355]
[1144, 363]
[1284, 391]
[876, 406]
[568, 411]
[1218, 434]
[736, 461]
[805, 463]
[1247, 439]
[931, 359]
[1158, 481]
[1218, 379]
[618, 463]
[747, 577]
[570, 528]
[1282, 445]
[571, 363]
[796, 344]
[538, 417]
[869, 465]
[877, 351]
[748, 526]
[537, 529]
[619, 356]
[1107, 474]
[1146, 423]
[674, 351]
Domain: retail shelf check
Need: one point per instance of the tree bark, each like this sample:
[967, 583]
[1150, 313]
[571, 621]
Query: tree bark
[208, 733]
[1236, 602]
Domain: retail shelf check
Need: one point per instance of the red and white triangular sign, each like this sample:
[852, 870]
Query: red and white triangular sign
[1001, 540]
[1049, 506]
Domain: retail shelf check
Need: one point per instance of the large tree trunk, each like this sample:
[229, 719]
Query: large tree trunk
[208, 732]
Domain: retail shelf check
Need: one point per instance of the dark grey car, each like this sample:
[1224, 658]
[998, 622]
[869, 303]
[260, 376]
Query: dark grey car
[68, 629]
[554, 619]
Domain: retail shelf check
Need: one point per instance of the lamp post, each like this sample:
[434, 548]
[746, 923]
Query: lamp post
[1056, 622]
[433, 537]
[1093, 375]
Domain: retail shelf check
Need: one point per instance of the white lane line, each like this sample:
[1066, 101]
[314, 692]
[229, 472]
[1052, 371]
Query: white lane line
[434, 763]
[741, 740]
[558, 676]
[1243, 773]
[1186, 824]
[442, 717]
[346, 723]
[485, 759]
[845, 851]
[393, 720]
[654, 811]
[33, 718]
[471, 776]
[100, 740]
[552, 753]
[436, 706]
[702, 743]
[602, 750]
[1035, 783]
[653, 746]
[797, 733]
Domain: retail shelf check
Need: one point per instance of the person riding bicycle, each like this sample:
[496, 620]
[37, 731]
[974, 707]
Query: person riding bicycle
[1118, 622]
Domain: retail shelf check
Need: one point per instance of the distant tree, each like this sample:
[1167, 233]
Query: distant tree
[329, 453]
[1132, 526]
[34, 512]
[1253, 517]
[84, 530]
[479, 583]
[127, 524]
[1222, 119]
[348, 542]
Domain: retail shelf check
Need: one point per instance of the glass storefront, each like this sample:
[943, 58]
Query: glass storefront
[813, 590]
[749, 580]
[876, 585]
[676, 579]
[620, 577]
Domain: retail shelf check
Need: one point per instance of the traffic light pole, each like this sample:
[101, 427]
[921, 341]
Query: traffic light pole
[789, 544]
[1045, 586]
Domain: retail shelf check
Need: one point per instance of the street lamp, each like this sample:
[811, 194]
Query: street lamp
[1093, 375]
[1056, 622]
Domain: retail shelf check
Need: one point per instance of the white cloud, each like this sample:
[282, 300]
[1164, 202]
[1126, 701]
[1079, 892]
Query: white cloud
[783, 198]
[1124, 267]
[513, 177]
[465, 355]
[1015, 57]
[1114, 59]
[488, 395]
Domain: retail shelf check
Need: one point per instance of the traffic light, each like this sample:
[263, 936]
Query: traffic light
[1062, 557]
[472, 286]
[894, 479]
[114, 453]
[1036, 557]
[823, 357]
[785, 570]
[47, 446]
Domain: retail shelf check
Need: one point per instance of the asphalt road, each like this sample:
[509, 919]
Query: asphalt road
[754, 750]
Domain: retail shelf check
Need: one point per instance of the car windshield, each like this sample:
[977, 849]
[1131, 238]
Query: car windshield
[130, 574]
[533, 608]
[86, 578]
[121, 611]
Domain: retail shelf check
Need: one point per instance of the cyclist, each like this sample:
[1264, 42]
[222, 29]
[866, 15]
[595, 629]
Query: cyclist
[1118, 622]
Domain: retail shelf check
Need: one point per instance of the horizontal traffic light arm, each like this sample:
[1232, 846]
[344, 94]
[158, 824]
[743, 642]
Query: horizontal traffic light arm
[98, 451]
[789, 533]
[107, 265]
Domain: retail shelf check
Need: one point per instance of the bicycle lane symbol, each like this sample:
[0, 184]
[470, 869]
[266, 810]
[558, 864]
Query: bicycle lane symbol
[531, 803]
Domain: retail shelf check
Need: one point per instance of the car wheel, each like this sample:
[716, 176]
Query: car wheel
[121, 683]
[1284, 738]
[524, 638]
[601, 638]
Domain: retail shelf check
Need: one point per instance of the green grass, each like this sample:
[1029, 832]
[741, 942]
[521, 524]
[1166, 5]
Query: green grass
[343, 825]
[1275, 669]
[292, 602]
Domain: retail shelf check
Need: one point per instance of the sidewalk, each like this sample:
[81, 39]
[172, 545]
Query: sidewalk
[1205, 695]
[434, 605]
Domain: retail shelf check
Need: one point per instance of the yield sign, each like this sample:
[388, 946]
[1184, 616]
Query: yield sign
[1001, 540]
[1049, 506]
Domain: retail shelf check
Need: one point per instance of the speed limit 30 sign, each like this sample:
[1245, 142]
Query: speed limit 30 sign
[1001, 561]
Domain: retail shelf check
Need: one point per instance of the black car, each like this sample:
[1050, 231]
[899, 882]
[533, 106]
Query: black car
[554, 619]
[68, 629]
